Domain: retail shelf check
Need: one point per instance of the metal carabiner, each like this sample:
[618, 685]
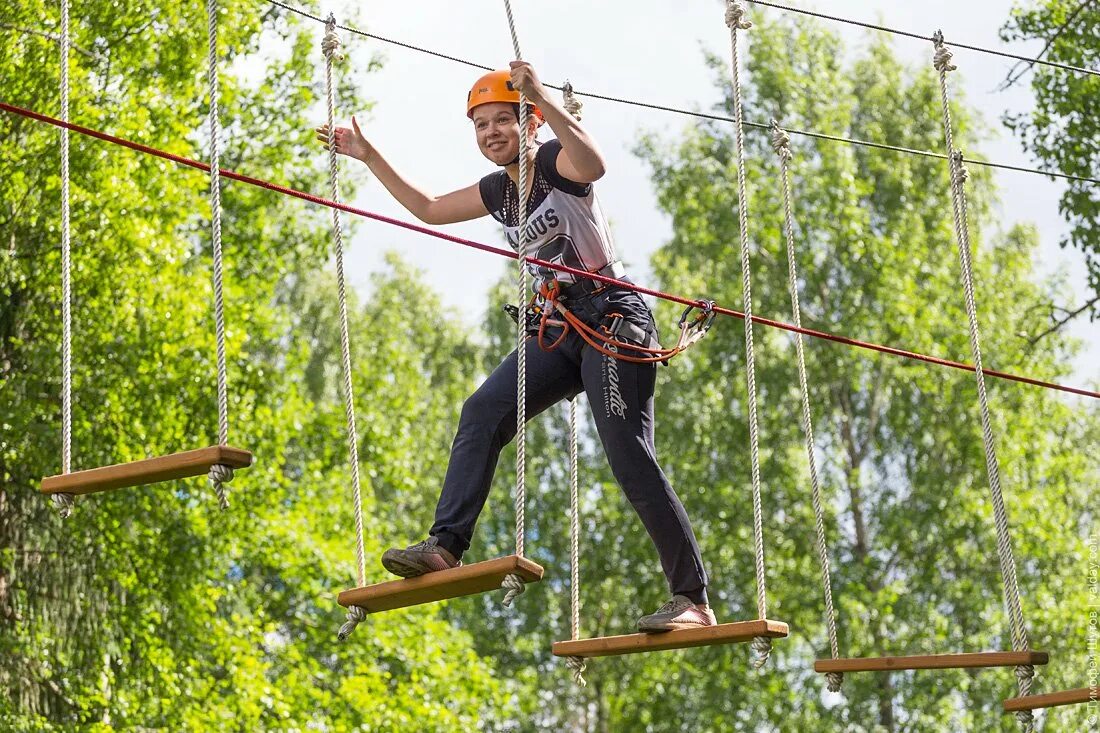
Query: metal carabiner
[702, 321]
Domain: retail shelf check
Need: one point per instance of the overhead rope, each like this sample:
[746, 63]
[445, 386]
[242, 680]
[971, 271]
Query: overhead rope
[64, 502]
[220, 474]
[703, 115]
[513, 583]
[761, 645]
[330, 47]
[921, 37]
[1024, 673]
[671, 297]
[781, 144]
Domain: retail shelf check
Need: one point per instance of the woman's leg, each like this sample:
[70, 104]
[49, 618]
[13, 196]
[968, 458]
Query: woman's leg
[621, 396]
[488, 423]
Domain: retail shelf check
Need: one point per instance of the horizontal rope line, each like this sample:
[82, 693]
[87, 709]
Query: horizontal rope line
[704, 115]
[231, 175]
[910, 34]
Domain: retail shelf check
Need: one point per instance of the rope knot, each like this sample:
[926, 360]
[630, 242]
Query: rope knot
[356, 615]
[578, 666]
[1024, 674]
[64, 504]
[330, 44]
[762, 650]
[834, 680]
[735, 16]
[572, 105]
[959, 173]
[221, 474]
[941, 59]
[781, 141]
[514, 585]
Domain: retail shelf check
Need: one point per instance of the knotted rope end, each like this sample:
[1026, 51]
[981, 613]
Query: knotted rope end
[330, 45]
[219, 475]
[571, 104]
[578, 666]
[941, 59]
[781, 141]
[735, 16]
[514, 585]
[355, 616]
[834, 681]
[959, 174]
[64, 504]
[762, 650]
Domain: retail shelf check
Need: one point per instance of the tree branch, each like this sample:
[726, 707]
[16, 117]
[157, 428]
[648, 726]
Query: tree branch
[1063, 321]
[1014, 77]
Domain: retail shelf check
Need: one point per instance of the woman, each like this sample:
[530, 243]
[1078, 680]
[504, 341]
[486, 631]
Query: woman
[565, 225]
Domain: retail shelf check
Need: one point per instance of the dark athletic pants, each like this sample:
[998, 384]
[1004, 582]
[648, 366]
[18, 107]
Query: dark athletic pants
[621, 396]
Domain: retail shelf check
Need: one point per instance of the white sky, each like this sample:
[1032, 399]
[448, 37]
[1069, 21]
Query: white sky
[644, 49]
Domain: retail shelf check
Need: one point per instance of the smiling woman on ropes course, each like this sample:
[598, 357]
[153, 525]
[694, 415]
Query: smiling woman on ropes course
[582, 335]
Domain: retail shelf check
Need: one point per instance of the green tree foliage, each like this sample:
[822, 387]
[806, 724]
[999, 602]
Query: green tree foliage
[1062, 130]
[908, 509]
[148, 609]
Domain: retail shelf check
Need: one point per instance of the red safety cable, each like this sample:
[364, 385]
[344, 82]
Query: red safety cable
[535, 261]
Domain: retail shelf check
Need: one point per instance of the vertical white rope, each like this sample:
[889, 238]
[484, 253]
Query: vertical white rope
[219, 474]
[735, 19]
[941, 60]
[64, 502]
[514, 583]
[781, 144]
[330, 47]
[576, 664]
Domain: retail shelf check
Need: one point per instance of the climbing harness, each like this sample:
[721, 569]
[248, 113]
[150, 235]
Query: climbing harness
[607, 339]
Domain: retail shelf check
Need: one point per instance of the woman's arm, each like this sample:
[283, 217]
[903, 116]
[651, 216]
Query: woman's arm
[580, 160]
[461, 205]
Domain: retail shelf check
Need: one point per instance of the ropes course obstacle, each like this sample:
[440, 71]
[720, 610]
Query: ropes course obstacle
[217, 462]
[513, 572]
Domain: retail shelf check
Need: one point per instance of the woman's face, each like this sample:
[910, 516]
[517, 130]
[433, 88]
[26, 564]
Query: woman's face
[497, 131]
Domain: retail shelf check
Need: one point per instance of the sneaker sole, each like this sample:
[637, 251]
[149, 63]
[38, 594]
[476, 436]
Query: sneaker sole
[671, 627]
[404, 568]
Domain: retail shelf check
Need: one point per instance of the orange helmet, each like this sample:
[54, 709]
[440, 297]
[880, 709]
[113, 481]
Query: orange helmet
[496, 86]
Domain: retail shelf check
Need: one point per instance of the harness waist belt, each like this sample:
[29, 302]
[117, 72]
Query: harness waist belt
[586, 286]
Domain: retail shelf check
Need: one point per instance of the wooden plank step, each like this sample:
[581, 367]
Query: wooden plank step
[148, 471]
[465, 580]
[731, 633]
[1053, 699]
[931, 661]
